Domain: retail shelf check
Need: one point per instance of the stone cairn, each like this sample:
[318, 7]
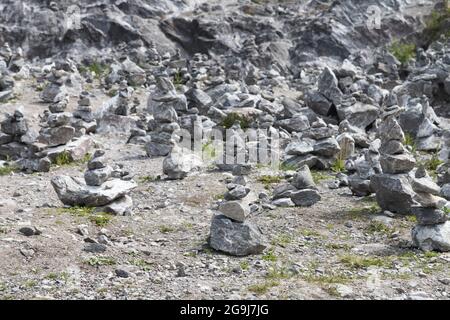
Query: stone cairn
[83, 117]
[17, 143]
[301, 191]
[432, 231]
[55, 92]
[392, 187]
[163, 104]
[105, 188]
[230, 231]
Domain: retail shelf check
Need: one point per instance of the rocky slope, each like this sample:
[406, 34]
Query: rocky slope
[109, 192]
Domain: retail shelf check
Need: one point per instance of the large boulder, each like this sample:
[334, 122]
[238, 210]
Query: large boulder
[235, 238]
[393, 192]
[432, 237]
[74, 192]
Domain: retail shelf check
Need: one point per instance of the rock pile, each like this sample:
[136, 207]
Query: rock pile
[432, 231]
[392, 187]
[301, 192]
[103, 188]
[83, 117]
[55, 92]
[230, 231]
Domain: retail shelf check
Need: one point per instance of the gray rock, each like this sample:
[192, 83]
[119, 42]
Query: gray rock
[95, 248]
[98, 176]
[445, 191]
[305, 198]
[327, 147]
[328, 86]
[425, 185]
[73, 192]
[54, 137]
[283, 202]
[179, 163]
[360, 187]
[399, 163]
[430, 238]
[428, 216]
[235, 238]
[303, 179]
[234, 210]
[237, 193]
[299, 148]
[393, 192]
[392, 147]
[121, 207]
[359, 114]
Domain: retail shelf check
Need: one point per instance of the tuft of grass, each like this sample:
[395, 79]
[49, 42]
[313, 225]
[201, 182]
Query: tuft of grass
[319, 176]
[267, 180]
[244, 265]
[166, 229]
[309, 233]
[282, 240]
[404, 52]
[338, 165]
[378, 227]
[366, 210]
[146, 179]
[141, 263]
[358, 262]
[435, 24]
[112, 93]
[263, 288]
[6, 170]
[97, 68]
[287, 167]
[446, 210]
[326, 279]
[63, 159]
[410, 141]
[433, 163]
[100, 219]
[270, 256]
[234, 117]
[100, 261]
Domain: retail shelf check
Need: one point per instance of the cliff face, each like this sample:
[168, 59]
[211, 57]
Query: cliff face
[286, 32]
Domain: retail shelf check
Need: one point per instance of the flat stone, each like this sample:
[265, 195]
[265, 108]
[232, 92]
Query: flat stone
[234, 210]
[428, 216]
[430, 238]
[305, 198]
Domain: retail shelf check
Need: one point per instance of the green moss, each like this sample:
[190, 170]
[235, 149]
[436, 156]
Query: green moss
[435, 24]
[166, 229]
[244, 265]
[63, 159]
[268, 179]
[378, 227]
[282, 240]
[404, 52]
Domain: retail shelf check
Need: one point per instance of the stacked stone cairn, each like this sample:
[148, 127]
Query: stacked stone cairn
[432, 231]
[83, 117]
[104, 187]
[392, 187]
[55, 92]
[230, 231]
[163, 105]
[301, 191]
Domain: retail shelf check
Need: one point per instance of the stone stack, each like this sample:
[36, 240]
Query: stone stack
[13, 128]
[432, 231]
[103, 187]
[55, 92]
[57, 129]
[6, 80]
[123, 106]
[392, 187]
[163, 105]
[231, 232]
[301, 192]
[83, 117]
[180, 162]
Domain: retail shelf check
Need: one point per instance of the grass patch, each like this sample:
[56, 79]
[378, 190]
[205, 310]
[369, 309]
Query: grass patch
[338, 165]
[378, 227]
[319, 176]
[234, 117]
[100, 219]
[166, 229]
[263, 288]
[433, 163]
[287, 167]
[6, 170]
[358, 262]
[326, 279]
[404, 52]
[435, 24]
[100, 261]
[309, 233]
[97, 68]
[244, 265]
[267, 180]
[282, 240]
[270, 256]
[146, 179]
[410, 141]
[141, 263]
